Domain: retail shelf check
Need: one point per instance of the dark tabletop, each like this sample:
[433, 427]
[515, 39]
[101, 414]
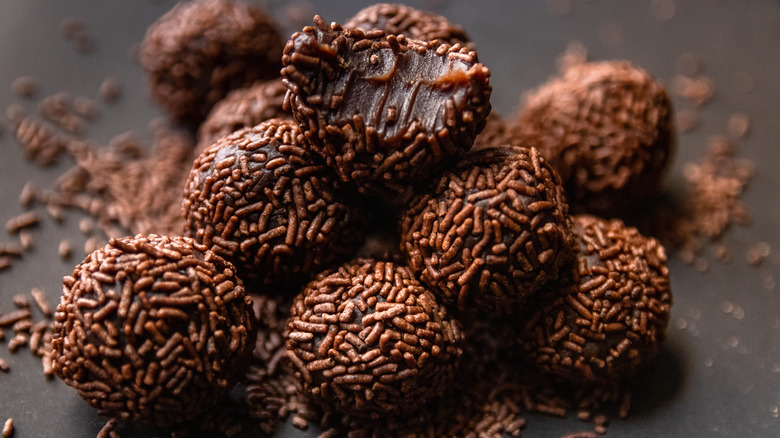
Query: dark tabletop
[719, 372]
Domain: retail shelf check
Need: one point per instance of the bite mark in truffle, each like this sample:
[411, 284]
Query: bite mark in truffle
[491, 232]
[607, 128]
[152, 329]
[383, 110]
[369, 339]
[258, 198]
[610, 318]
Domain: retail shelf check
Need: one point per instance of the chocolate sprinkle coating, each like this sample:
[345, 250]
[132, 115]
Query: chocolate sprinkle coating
[369, 339]
[243, 108]
[259, 199]
[610, 318]
[607, 128]
[152, 329]
[200, 50]
[491, 232]
[398, 19]
[383, 110]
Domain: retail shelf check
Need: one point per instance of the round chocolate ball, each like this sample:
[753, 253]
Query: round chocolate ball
[200, 50]
[152, 329]
[609, 317]
[607, 128]
[258, 198]
[243, 108]
[369, 339]
[384, 110]
[397, 19]
[491, 232]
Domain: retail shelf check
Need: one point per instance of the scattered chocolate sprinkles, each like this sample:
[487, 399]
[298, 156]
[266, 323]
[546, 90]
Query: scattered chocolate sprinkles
[607, 128]
[491, 232]
[40, 300]
[152, 329]
[199, 51]
[710, 206]
[24, 86]
[111, 89]
[8, 428]
[65, 249]
[22, 221]
[109, 429]
[75, 30]
[258, 198]
[351, 93]
[398, 19]
[609, 317]
[58, 108]
[369, 339]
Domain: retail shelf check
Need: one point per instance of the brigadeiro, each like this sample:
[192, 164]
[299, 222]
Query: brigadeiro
[200, 50]
[258, 198]
[384, 110]
[369, 339]
[491, 232]
[607, 128]
[152, 329]
[243, 108]
[608, 318]
[397, 19]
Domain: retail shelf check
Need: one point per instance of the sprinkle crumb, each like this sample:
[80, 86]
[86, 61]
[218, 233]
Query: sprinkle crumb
[8, 428]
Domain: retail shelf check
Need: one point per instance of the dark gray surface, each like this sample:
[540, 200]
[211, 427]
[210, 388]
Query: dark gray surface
[718, 375]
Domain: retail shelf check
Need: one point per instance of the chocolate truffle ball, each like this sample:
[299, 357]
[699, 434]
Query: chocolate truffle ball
[369, 339]
[243, 108]
[152, 329]
[200, 50]
[609, 317]
[397, 19]
[259, 199]
[491, 232]
[384, 110]
[607, 128]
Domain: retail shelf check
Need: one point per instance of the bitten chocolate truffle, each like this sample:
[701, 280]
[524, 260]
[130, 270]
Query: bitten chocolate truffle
[259, 199]
[491, 232]
[383, 110]
[369, 339]
[397, 19]
[607, 128]
[611, 318]
[152, 329]
[200, 50]
[243, 108]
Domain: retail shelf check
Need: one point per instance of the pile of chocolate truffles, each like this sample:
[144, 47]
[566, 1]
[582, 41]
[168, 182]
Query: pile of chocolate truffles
[375, 115]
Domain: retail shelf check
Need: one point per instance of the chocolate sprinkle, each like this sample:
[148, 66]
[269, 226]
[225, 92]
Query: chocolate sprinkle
[383, 110]
[397, 19]
[492, 231]
[8, 428]
[607, 128]
[199, 51]
[369, 339]
[610, 317]
[152, 329]
[259, 199]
